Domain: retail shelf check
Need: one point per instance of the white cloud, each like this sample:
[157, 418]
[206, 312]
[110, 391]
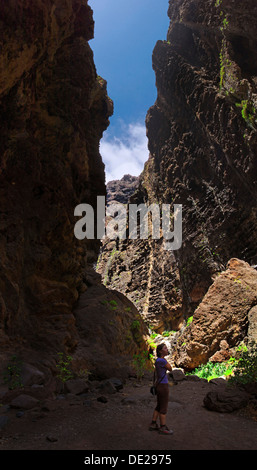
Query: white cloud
[125, 154]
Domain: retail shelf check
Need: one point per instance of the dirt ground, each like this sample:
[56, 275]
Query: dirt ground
[121, 423]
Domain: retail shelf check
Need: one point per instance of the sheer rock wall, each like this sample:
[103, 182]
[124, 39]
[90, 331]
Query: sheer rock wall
[202, 135]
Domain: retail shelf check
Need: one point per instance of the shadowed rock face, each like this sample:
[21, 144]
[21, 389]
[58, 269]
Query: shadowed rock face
[54, 109]
[202, 143]
[53, 113]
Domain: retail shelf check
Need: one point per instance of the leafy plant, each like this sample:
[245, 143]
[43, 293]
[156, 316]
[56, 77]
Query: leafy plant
[63, 367]
[225, 66]
[241, 370]
[135, 325]
[12, 376]
[248, 111]
[140, 364]
[151, 343]
[213, 370]
[225, 23]
[113, 304]
[246, 368]
[153, 335]
[168, 333]
[84, 374]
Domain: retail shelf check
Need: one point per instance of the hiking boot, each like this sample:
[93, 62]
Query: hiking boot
[154, 427]
[165, 430]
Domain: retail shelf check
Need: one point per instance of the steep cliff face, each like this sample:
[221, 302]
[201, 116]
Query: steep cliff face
[54, 109]
[143, 270]
[202, 135]
[119, 191]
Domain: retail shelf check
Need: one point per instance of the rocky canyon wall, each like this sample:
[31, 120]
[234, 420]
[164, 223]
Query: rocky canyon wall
[54, 109]
[203, 146]
[143, 270]
[202, 135]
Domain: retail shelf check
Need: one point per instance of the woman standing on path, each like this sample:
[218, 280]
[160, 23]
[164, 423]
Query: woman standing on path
[161, 367]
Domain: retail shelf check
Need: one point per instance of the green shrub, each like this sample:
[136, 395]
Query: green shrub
[153, 335]
[63, 367]
[168, 333]
[246, 368]
[140, 364]
[213, 370]
[248, 111]
[135, 325]
[12, 376]
[242, 369]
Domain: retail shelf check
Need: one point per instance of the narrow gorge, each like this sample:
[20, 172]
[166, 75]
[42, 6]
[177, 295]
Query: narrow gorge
[203, 145]
[99, 301]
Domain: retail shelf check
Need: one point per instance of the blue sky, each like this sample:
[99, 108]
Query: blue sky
[126, 32]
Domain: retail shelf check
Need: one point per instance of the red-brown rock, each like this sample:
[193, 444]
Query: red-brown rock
[221, 316]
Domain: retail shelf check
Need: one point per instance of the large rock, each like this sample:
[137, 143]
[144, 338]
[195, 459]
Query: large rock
[221, 318]
[147, 274]
[3, 421]
[76, 386]
[30, 375]
[111, 332]
[252, 329]
[25, 402]
[226, 401]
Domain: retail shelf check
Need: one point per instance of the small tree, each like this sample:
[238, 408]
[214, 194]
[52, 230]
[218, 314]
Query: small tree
[140, 364]
[12, 375]
[63, 367]
[245, 371]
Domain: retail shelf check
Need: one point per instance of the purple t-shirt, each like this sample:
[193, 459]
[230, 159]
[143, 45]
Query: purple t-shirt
[161, 376]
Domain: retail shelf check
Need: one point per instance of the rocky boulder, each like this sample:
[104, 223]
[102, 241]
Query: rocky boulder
[226, 401]
[111, 332]
[223, 318]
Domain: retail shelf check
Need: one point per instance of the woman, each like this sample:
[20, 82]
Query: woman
[161, 367]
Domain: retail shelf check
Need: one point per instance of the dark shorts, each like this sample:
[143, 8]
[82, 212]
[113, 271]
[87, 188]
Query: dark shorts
[162, 398]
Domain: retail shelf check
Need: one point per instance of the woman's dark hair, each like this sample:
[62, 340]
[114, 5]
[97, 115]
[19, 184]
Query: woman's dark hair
[159, 348]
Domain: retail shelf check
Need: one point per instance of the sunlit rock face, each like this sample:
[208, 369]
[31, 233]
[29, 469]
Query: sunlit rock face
[225, 317]
[202, 135]
[142, 269]
[203, 145]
